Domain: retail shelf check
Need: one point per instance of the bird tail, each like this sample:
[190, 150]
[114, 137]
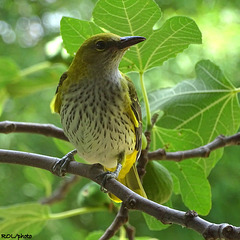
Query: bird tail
[132, 181]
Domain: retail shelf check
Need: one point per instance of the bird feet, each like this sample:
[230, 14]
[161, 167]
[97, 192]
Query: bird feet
[108, 175]
[60, 167]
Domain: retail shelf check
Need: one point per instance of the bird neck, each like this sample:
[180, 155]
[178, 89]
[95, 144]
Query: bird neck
[80, 70]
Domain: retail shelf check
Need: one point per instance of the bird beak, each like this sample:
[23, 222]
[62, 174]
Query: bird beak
[126, 42]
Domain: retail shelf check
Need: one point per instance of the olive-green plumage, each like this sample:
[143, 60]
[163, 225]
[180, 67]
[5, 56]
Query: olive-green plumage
[99, 108]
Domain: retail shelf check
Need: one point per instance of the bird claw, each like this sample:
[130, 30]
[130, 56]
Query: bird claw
[108, 175]
[60, 167]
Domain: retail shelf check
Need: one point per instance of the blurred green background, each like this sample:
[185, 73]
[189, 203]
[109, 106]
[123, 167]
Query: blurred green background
[32, 56]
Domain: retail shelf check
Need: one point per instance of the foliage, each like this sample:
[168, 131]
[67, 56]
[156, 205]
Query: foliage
[27, 218]
[192, 112]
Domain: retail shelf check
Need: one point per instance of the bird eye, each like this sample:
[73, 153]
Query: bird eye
[100, 45]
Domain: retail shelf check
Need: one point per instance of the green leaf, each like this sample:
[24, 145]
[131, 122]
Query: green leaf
[154, 224]
[89, 195]
[36, 78]
[210, 162]
[175, 140]
[9, 71]
[176, 34]
[145, 238]
[40, 177]
[129, 18]
[207, 105]
[176, 184]
[138, 18]
[97, 234]
[66, 147]
[63, 146]
[74, 32]
[191, 174]
[195, 188]
[4, 96]
[27, 218]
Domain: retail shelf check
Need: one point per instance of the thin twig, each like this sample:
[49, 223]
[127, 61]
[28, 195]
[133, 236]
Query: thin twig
[120, 219]
[130, 231]
[143, 159]
[60, 193]
[203, 151]
[131, 200]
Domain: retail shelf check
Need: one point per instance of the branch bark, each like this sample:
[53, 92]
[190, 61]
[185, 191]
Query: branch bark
[61, 192]
[203, 151]
[50, 130]
[120, 219]
[130, 199]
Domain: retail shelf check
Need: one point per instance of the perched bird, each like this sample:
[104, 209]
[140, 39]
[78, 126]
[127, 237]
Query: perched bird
[99, 108]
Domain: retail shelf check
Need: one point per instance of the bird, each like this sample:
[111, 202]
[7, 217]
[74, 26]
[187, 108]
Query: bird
[99, 108]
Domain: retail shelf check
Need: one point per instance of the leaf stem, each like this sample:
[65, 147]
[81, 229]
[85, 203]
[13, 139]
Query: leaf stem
[75, 212]
[35, 68]
[145, 98]
[122, 233]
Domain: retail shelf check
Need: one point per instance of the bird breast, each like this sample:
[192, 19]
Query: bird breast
[96, 122]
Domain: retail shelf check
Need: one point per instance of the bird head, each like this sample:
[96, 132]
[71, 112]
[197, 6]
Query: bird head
[105, 50]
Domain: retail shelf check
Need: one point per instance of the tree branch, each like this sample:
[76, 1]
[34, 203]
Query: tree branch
[203, 151]
[48, 130]
[130, 199]
[60, 193]
[120, 219]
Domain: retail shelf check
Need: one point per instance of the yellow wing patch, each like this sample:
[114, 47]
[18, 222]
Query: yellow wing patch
[133, 118]
[55, 104]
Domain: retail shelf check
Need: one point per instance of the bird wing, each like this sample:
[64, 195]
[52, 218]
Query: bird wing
[57, 100]
[135, 114]
[129, 175]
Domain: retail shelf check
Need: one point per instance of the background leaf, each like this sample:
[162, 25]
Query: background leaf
[9, 70]
[176, 34]
[191, 174]
[123, 18]
[33, 81]
[41, 178]
[97, 234]
[74, 32]
[127, 18]
[207, 105]
[27, 218]
[154, 224]
[195, 188]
